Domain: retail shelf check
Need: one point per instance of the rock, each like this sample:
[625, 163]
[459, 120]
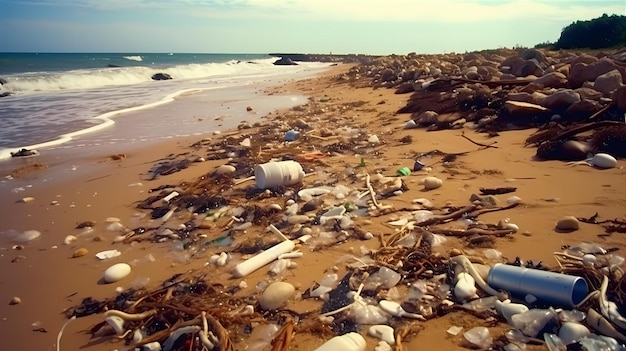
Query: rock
[80, 252]
[404, 88]
[16, 300]
[161, 76]
[552, 80]
[249, 108]
[521, 97]
[486, 201]
[608, 82]
[431, 183]
[530, 68]
[582, 109]
[568, 223]
[116, 272]
[225, 170]
[517, 108]
[285, 61]
[536, 55]
[581, 72]
[3, 81]
[619, 96]
[562, 99]
[589, 94]
[276, 295]
[426, 118]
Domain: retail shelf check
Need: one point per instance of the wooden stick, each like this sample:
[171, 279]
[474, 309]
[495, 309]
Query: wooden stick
[473, 231]
[480, 144]
[444, 218]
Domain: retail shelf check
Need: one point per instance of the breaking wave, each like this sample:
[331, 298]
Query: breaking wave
[134, 58]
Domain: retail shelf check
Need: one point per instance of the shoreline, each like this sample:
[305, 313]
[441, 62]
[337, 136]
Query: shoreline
[346, 111]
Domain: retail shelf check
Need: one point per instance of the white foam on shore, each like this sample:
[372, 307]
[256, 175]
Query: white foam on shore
[106, 122]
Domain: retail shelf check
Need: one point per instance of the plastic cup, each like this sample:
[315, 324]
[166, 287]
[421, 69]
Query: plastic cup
[555, 288]
[272, 174]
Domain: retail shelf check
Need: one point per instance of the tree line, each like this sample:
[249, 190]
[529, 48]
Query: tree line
[598, 33]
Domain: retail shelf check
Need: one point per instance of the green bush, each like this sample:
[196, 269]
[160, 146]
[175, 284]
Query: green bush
[598, 33]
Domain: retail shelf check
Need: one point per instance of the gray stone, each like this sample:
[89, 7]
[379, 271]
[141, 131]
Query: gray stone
[607, 82]
[582, 72]
[552, 80]
[589, 93]
[521, 96]
[561, 99]
[582, 109]
[486, 201]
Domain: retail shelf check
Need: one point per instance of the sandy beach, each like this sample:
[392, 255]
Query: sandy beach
[349, 131]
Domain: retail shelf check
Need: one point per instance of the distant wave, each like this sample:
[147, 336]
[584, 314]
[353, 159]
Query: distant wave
[134, 58]
[116, 76]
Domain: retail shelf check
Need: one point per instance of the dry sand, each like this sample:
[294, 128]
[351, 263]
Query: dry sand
[48, 280]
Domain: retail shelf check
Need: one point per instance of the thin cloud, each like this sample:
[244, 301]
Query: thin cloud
[446, 11]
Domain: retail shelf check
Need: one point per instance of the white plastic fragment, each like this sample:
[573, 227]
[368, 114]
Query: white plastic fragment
[104, 255]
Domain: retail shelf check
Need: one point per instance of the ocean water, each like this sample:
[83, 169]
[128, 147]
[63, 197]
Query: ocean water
[58, 98]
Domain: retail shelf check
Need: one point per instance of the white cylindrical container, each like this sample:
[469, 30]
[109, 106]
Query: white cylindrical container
[271, 174]
[263, 258]
[345, 342]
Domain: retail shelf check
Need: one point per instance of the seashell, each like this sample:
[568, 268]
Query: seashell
[116, 272]
[276, 295]
[568, 223]
[431, 183]
[571, 332]
[507, 310]
[307, 194]
[394, 309]
[80, 252]
[465, 287]
[69, 239]
[602, 160]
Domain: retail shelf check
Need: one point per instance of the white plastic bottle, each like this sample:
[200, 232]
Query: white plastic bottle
[346, 342]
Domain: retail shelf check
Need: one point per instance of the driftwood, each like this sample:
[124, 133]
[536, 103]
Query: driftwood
[472, 231]
[480, 144]
[497, 191]
[546, 135]
[447, 217]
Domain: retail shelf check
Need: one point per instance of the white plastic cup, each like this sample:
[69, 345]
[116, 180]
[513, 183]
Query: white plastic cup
[271, 174]
[346, 342]
[555, 288]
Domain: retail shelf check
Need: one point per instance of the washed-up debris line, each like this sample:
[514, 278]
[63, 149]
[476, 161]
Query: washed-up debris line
[386, 290]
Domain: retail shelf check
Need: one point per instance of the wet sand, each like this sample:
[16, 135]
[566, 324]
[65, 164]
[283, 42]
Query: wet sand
[49, 281]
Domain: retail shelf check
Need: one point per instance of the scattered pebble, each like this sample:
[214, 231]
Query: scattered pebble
[431, 183]
[16, 300]
[80, 252]
[276, 295]
[27, 199]
[568, 223]
[116, 272]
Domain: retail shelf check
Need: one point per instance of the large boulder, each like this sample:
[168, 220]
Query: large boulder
[582, 72]
[285, 61]
[161, 76]
[3, 81]
[607, 82]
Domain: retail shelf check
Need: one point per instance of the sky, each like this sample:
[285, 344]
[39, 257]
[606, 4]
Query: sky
[298, 26]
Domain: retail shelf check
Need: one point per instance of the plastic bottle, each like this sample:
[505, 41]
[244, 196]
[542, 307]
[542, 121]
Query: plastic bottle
[346, 342]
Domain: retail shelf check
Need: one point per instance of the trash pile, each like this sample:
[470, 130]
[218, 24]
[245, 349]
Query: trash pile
[275, 199]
